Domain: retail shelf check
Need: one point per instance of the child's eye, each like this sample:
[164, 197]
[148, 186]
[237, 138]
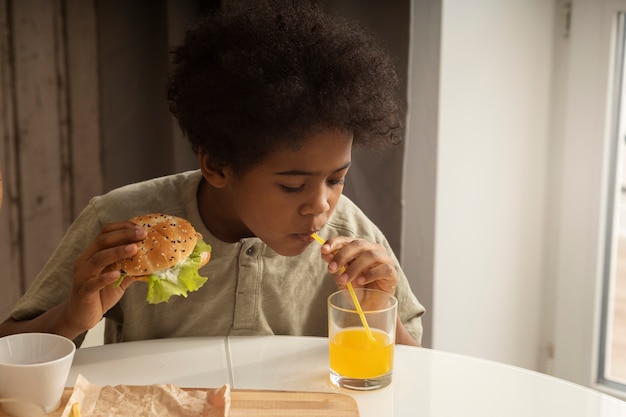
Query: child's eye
[300, 188]
[292, 189]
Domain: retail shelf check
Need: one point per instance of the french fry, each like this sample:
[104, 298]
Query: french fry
[75, 411]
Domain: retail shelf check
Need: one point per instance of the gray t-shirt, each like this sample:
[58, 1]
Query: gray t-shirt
[251, 290]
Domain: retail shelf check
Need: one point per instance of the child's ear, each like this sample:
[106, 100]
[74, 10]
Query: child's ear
[214, 173]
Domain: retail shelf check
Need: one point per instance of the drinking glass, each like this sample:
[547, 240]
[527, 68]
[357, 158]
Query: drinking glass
[361, 343]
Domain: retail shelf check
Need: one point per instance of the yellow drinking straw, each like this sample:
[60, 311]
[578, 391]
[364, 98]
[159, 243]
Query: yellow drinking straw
[352, 294]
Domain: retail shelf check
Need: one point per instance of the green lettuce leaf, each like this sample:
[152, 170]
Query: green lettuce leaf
[162, 286]
[182, 279]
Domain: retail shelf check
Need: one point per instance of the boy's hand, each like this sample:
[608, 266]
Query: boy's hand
[366, 264]
[92, 294]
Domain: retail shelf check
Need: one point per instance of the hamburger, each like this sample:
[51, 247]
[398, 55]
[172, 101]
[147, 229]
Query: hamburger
[168, 258]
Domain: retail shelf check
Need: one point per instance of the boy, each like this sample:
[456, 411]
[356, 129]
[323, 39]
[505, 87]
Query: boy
[272, 99]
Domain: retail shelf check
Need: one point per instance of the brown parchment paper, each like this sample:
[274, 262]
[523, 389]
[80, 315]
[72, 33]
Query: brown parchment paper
[147, 400]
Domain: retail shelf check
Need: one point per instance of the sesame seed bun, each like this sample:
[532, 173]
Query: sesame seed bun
[169, 242]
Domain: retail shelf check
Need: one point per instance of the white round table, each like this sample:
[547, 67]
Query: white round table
[425, 382]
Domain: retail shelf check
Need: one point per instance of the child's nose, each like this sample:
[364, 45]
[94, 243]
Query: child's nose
[317, 203]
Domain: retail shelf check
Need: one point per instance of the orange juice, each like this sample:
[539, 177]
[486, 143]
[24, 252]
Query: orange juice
[354, 355]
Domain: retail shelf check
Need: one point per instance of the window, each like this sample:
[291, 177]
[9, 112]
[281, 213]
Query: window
[612, 352]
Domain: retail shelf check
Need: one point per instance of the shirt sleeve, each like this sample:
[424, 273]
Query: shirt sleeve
[53, 283]
[410, 310]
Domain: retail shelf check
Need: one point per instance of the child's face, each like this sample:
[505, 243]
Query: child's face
[292, 193]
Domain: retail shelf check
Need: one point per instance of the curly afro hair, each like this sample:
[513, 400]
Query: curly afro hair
[251, 79]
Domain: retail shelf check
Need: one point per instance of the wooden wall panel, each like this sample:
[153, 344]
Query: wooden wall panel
[84, 107]
[10, 259]
[49, 126]
[39, 134]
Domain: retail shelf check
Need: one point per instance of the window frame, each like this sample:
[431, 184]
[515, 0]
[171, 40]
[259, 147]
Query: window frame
[583, 210]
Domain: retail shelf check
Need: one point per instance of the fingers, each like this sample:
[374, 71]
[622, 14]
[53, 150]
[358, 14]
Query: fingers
[94, 269]
[96, 282]
[360, 262]
[106, 257]
[116, 241]
[114, 235]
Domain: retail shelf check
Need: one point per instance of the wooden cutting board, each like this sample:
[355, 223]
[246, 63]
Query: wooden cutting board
[291, 403]
[258, 403]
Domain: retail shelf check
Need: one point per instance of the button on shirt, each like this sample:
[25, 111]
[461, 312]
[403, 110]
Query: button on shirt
[248, 285]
